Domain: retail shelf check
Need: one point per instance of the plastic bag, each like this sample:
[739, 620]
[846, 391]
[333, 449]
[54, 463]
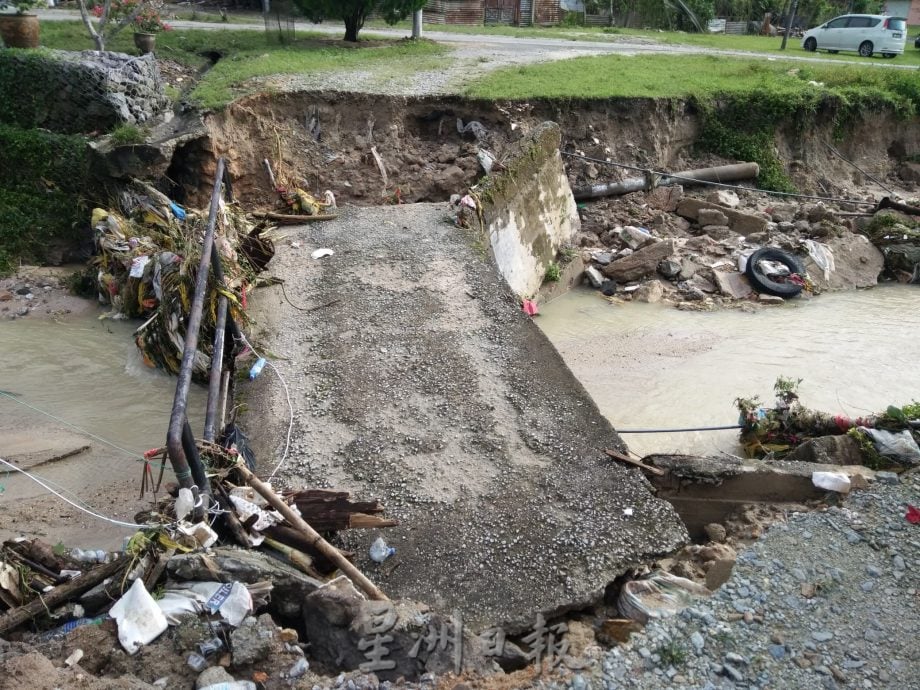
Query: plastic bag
[659, 596]
[900, 446]
[230, 599]
[140, 621]
[831, 481]
[822, 255]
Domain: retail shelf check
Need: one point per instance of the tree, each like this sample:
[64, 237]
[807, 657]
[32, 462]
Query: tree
[113, 16]
[355, 12]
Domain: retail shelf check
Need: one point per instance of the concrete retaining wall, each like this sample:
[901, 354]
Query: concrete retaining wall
[529, 211]
[78, 92]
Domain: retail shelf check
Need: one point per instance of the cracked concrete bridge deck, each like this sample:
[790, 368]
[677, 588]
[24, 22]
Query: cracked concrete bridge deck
[423, 384]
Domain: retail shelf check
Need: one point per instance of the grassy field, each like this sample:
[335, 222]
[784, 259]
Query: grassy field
[246, 55]
[668, 76]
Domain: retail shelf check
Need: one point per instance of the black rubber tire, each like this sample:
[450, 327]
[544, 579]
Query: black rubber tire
[763, 284]
[866, 48]
[811, 45]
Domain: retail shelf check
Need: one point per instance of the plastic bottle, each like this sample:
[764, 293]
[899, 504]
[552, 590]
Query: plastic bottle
[197, 662]
[256, 368]
[88, 555]
[379, 550]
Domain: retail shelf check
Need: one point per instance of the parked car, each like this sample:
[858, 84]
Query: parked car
[864, 33]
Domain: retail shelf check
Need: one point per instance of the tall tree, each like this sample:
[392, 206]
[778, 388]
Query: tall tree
[355, 12]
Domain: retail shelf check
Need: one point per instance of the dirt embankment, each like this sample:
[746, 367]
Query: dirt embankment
[324, 140]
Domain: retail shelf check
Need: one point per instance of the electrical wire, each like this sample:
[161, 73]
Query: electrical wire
[676, 431]
[130, 453]
[717, 184]
[89, 512]
[287, 395]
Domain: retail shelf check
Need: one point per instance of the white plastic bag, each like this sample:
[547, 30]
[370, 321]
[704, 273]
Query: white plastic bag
[231, 600]
[900, 446]
[140, 621]
[831, 481]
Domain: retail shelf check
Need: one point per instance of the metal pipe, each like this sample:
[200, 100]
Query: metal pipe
[194, 462]
[721, 173]
[417, 24]
[217, 366]
[178, 418]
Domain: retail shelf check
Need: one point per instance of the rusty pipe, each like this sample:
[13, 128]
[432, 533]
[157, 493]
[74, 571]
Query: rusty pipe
[721, 173]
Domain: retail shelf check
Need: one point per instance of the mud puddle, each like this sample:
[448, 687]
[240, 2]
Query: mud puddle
[88, 373]
[651, 367]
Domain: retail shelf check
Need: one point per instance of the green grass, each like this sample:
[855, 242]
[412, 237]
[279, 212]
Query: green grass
[681, 76]
[247, 55]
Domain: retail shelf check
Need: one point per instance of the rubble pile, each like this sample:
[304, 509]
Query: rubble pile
[665, 246]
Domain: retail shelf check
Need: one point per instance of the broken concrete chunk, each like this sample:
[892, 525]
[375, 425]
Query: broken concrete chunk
[828, 450]
[640, 263]
[724, 197]
[857, 264]
[635, 237]
[652, 292]
[742, 223]
[771, 300]
[665, 198]
[688, 269]
[594, 277]
[718, 232]
[252, 641]
[711, 216]
[734, 285]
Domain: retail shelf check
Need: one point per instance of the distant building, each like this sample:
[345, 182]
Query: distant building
[903, 8]
[478, 12]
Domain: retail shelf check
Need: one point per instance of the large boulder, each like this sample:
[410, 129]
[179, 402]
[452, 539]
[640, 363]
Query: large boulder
[640, 263]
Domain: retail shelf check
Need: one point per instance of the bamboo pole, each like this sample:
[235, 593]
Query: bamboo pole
[313, 537]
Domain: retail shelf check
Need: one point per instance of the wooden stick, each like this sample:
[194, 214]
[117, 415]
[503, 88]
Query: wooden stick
[314, 537]
[16, 617]
[298, 559]
[289, 219]
[380, 166]
[635, 463]
[271, 175]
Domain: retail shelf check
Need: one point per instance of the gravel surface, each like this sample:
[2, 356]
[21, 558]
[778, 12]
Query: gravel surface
[826, 600]
[423, 384]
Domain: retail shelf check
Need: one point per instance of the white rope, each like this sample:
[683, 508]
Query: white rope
[287, 395]
[94, 514]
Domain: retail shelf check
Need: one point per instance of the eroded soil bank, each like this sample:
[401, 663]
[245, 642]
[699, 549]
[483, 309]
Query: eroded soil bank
[324, 140]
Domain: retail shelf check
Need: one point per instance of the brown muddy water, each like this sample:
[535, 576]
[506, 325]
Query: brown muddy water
[650, 366]
[88, 373]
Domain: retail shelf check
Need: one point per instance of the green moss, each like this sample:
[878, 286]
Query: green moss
[42, 182]
[127, 134]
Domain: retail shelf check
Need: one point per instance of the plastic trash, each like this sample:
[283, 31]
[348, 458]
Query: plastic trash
[215, 644]
[235, 685]
[197, 662]
[177, 210]
[379, 550]
[62, 630]
[140, 621]
[257, 369]
[831, 481]
[900, 446]
[201, 531]
[635, 237]
[822, 255]
[185, 502]
[486, 160]
[659, 596]
[230, 599]
[89, 555]
[320, 253]
[233, 437]
[530, 307]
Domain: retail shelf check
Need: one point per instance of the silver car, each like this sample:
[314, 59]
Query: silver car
[865, 34]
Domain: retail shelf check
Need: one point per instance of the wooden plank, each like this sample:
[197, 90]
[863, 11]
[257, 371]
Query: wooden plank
[635, 463]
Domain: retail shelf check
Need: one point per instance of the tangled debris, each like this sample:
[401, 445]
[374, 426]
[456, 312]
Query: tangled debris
[880, 441]
[146, 266]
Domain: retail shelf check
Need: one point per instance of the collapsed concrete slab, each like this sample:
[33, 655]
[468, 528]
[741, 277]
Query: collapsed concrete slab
[528, 210]
[416, 379]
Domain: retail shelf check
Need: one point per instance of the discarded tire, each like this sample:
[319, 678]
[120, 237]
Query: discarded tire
[788, 286]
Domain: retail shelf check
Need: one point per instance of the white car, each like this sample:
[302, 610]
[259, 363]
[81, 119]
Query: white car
[864, 33]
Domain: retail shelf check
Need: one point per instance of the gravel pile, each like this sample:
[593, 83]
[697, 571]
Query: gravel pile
[826, 600]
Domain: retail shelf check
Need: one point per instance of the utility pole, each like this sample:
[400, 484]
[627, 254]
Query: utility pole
[789, 22]
[417, 24]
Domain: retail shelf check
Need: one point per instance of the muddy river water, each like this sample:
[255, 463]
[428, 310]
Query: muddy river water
[649, 366]
[88, 373]
[646, 366]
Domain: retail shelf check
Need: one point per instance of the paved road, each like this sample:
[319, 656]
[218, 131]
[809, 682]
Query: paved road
[557, 47]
